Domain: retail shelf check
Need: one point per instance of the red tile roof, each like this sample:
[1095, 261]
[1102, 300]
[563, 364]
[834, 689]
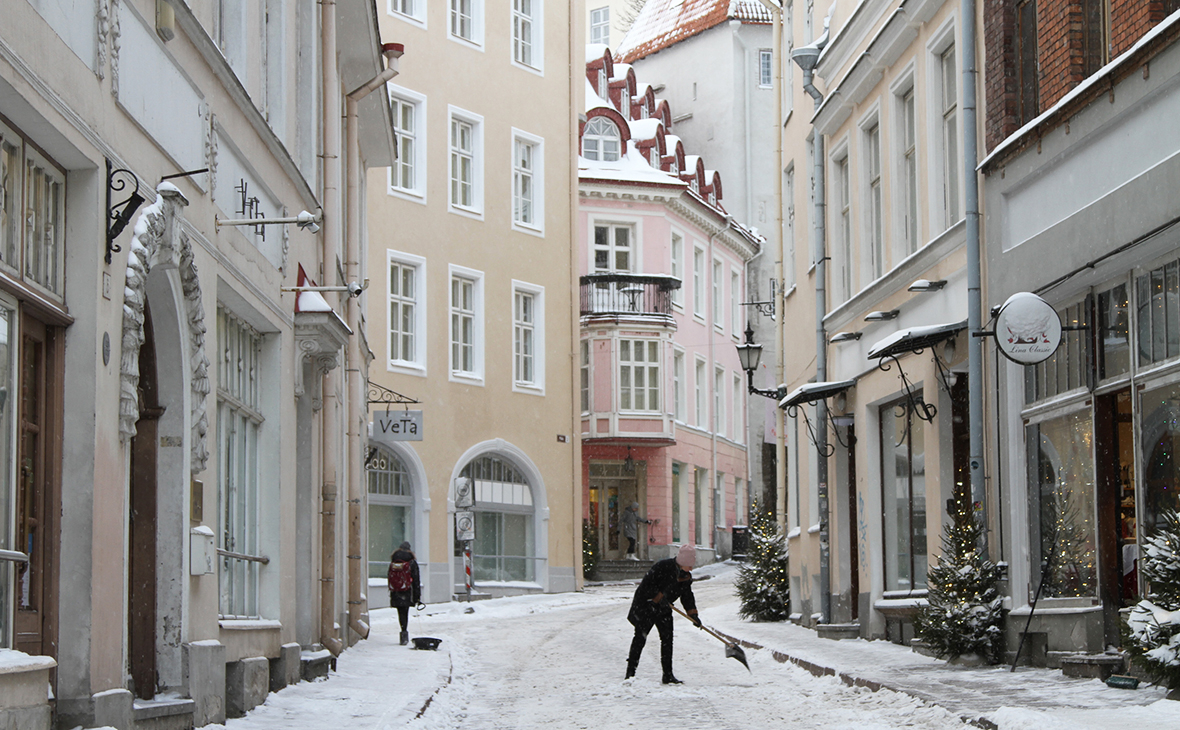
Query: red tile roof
[663, 23]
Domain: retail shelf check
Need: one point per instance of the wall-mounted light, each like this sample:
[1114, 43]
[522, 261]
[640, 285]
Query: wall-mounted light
[309, 222]
[165, 20]
[882, 316]
[352, 288]
[845, 337]
[926, 285]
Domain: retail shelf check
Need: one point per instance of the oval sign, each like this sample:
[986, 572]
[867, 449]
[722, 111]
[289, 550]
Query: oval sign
[1028, 329]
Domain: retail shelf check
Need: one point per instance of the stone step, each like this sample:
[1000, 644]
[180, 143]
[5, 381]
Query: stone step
[1092, 666]
[613, 570]
[161, 714]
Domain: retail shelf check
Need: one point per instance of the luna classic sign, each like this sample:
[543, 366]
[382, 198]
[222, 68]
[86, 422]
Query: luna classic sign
[398, 426]
[1028, 329]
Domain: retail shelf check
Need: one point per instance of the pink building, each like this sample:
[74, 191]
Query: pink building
[663, 278]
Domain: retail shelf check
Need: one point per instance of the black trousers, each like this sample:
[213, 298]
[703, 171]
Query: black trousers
[630, 546]
[403, 616]
[663, 622]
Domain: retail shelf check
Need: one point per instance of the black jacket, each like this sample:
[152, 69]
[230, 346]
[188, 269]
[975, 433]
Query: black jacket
[665, 578]
[405, 599]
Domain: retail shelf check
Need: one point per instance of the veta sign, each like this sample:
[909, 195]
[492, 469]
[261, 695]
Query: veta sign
[398, 426]
[1028, 329]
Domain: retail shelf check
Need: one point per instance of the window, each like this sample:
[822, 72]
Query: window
[903, 497]
[8, 540]
[528, 337]
[698, 283]
[505, 542]
[1069, 366]
[639, 375]
[719, 401]
[735, 303]
[876, 234]
[1095, 35]
[32, 205]
[612, 248]
[679, 406]
[526, 33]
[600, 140]
[789, 224]
[1028, 85]
[1114, 332]
[765, 68]
[600, 26]
[950, 137]
[700, 385]
[1159, 414]
[407, 177]
[719, 501]
[739, 422]
[909, 171]
[678, 269]
[239, 423]
[466, 20]
[466, 142]
[407, 311]
[391, 507]
[844, 230]
[718, 294]
[528, 191]
[585, 373]
[414, 10]
[466, 326]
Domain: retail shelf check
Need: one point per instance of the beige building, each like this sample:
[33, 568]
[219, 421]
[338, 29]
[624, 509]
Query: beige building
[473, 256]
[890, 267]
[171, 452]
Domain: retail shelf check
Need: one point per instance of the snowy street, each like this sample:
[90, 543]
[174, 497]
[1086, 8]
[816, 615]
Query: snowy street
[557, 661]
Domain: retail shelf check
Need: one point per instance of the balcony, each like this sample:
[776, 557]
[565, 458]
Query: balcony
[628, 297]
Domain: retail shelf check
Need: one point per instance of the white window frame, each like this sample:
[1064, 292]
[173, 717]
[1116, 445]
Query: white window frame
[873, 255]
[789, 226]
[698, 283]
[739, 421]
[646, 366]
[454, 10]
[679, 386]
[584, 372]
[842, 213]
[905, 201]
[461, 116]
[735, 302]
[537, 385]
[765, 68]
[700, 394]
[593, 132]
[719, 400]
[612, 248]
[475, 376]
[678, 268]
[411, 11]
[717, 282]
[945, 192]
[536, 176]
[50, 282]
[398, 96]
[600, 23]
[417, 364]
[535, 21]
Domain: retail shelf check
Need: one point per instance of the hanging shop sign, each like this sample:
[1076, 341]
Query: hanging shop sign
[1028, 329]
[398, 425]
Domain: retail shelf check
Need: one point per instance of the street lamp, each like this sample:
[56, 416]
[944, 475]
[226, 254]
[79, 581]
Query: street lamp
[749, 355]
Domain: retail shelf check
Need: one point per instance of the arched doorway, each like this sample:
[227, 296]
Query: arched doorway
[505, 548]
[391, 508]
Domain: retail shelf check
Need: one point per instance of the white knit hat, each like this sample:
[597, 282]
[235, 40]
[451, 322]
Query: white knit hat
[686, 557]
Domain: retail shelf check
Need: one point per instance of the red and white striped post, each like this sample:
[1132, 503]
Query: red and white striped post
[467, 567]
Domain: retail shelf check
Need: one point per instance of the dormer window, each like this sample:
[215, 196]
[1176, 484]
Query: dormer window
[674, 168]
[644, 111]
[600, 141]
[654, 156]
[696, 186]
[603, 89]
[712, 198]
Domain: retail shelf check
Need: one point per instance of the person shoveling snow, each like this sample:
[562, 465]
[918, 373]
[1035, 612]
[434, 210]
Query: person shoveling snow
[668, 580]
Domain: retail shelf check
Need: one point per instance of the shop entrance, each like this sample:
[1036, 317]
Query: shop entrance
[1118, 547]
[612, 488]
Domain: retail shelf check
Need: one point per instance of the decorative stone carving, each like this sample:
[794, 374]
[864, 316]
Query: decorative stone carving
[116, 44]
[199, 386]
[211, 150]
[104, 29]
[319, 337]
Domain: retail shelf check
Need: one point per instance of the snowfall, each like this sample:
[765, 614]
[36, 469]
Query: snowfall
[557, 661]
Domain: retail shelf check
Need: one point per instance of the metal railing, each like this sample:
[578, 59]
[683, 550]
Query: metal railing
[627, 294]
[13, 556]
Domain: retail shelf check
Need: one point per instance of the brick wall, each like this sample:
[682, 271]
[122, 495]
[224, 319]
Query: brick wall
[999, 71]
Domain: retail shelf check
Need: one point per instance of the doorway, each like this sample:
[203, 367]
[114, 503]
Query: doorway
[612, 488]
[1118, 575]
[144, 508]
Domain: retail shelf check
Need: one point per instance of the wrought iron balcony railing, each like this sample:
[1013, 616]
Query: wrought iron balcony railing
[628, 295]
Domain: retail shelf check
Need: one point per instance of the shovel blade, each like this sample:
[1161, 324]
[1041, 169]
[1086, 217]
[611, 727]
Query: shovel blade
[733, 651]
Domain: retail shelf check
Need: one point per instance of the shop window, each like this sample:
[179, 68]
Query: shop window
[903, 497]
[8, 568]
[504, 548]
[1157, 296]
[1069, 367]
[32, 206]
[390, 508]
[1114, 332]
[1061, 505]
[1160, 439]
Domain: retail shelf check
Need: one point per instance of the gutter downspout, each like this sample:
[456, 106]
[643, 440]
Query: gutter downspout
[357, 408]
[329, 433]
[806, 57]
[974, 274]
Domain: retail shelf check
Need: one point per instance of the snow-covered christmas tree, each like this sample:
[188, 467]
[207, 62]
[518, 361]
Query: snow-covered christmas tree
[763, 582]
[589, 549]
[963, 615]
[1153, 627]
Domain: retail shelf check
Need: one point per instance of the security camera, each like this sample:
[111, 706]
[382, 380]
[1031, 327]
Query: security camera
[354, 289]
[308, 221]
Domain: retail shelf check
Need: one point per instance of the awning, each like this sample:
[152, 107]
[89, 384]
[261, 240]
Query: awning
[812, 392]
[915, 338]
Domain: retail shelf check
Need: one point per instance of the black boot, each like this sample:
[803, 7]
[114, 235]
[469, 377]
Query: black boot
[669, 678]
[630, 670]
[405, 639]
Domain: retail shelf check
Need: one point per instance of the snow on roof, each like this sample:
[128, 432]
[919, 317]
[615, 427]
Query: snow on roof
[593, 100]
[663, 23]
[312, 301]
[595, 51]
[644, 129]
[620, 71]
[632, 167]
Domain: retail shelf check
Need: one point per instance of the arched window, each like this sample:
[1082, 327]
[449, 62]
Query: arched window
[391, 501]
[505, 545]
[600, 141]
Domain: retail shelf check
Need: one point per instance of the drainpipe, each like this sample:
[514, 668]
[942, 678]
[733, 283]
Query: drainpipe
[806, 57]
[357, 408]
[329, 432]
[974, 299]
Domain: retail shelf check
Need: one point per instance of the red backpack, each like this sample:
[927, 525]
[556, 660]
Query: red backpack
[400, 577]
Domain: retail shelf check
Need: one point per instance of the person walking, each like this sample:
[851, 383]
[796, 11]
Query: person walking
[631, 520]
[668, 580]
[405, 586]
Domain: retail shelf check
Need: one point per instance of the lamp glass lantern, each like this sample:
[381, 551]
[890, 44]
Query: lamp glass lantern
[749, 352]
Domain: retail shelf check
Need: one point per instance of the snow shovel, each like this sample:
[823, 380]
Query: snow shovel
[732, 650]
